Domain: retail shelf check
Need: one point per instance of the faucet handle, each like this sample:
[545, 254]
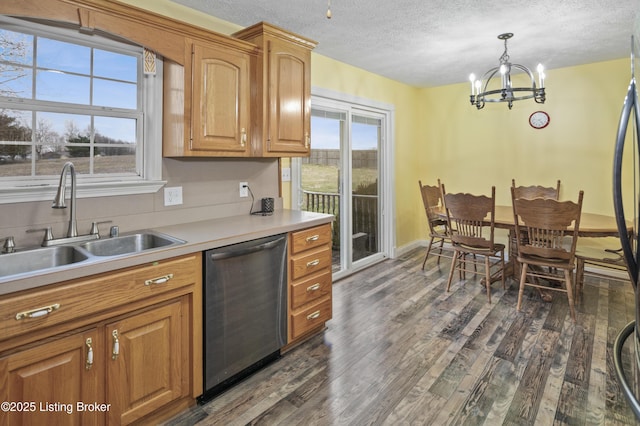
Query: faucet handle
[9, 245]
[48, 235]
[94, 227]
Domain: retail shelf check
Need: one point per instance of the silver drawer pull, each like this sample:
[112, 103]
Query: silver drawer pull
[313, 315]
[313, 263]
[38, 312]
[314, 287]
[313, 238]
[159, 280]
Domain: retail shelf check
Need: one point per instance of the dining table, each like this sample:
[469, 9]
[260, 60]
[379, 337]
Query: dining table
[591, 225]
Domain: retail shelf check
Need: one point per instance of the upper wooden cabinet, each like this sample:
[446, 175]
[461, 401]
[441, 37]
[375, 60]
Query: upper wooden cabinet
[207, 103]
[281, 125]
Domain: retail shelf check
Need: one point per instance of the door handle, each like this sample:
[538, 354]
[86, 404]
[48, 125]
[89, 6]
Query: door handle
[115, 350]
[630, 105]
[89, 362]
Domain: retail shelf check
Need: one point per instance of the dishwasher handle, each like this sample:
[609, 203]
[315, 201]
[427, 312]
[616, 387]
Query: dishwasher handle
[244, 251]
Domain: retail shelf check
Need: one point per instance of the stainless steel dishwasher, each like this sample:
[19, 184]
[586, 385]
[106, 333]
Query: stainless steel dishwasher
[245, 310]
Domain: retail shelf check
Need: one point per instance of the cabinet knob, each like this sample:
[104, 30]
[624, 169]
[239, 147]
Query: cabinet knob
[307, 140]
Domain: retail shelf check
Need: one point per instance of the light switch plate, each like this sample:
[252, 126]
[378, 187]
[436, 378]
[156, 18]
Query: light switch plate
[173, 196]
[286, 174]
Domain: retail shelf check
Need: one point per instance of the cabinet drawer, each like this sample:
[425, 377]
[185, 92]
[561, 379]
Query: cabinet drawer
[310, 238]
[310, 262]
[311, 317]
[310, 289]
[75, 299]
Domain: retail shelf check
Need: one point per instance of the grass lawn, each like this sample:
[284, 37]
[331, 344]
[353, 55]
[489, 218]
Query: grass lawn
[321, 178]
[105, 164]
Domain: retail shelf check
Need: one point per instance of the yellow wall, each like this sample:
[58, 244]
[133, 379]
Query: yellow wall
[340, 77]
[439, 135]
[472, 150]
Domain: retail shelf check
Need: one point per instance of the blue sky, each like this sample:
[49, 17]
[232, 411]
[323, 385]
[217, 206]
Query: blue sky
[325, 134]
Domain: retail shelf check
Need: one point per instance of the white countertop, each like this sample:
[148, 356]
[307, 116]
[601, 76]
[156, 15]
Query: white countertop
[199, 236]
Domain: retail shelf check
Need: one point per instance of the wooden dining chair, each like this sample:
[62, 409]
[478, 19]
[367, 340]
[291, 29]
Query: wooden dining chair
[536, 191]
[470, 218]
[532, 191]
[605, 257]
[547, 254]
[438, 232]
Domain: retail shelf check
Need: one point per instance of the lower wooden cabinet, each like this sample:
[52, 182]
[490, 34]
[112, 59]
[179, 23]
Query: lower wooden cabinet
[44, 384]
[147, 365]
[139, 361]
[310, 303]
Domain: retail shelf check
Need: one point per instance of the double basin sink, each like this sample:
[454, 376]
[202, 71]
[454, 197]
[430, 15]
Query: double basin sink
[51, 258]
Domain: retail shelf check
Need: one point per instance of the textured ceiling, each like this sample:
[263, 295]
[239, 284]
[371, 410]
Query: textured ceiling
[429, 43]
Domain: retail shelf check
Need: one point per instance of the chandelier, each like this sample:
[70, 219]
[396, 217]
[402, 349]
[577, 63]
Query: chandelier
[485, 90]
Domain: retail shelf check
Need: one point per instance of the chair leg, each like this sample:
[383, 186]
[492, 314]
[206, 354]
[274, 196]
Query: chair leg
[502, 272]
[487, 275]
[427, 255]
[579, 276]
[568, 278]
[523, 278]
[440, 251]
[453, 268]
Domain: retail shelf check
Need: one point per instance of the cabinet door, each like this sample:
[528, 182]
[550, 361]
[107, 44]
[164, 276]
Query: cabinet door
[148, 362]
[52, 379]
[221, 98]
[289, 99]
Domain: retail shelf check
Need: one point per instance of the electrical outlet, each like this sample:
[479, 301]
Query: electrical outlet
[244, 189]
[173, 196]
[286, 174]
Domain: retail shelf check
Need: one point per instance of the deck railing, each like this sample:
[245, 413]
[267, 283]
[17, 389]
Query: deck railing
[365, 215]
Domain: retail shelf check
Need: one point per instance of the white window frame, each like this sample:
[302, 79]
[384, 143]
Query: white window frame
[149, 149]
[330, 99]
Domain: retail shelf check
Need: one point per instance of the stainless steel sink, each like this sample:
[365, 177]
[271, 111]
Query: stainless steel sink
[39, 259]
[128, 244]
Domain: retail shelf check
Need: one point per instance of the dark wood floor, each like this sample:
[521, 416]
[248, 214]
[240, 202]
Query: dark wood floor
[401, 351]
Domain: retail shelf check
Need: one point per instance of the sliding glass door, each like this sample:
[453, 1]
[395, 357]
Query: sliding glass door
[344, 176]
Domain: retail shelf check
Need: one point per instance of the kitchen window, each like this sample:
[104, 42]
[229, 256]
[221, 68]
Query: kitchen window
[69, 94]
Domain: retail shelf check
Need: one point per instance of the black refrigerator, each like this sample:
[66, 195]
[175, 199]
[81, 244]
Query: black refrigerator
[626, 199]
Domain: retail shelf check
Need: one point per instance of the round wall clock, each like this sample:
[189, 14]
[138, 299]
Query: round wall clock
[539, 120]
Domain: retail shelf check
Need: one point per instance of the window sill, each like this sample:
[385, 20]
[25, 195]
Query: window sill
[46, 191]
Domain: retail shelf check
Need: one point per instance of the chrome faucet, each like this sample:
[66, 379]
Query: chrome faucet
[58, 201]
